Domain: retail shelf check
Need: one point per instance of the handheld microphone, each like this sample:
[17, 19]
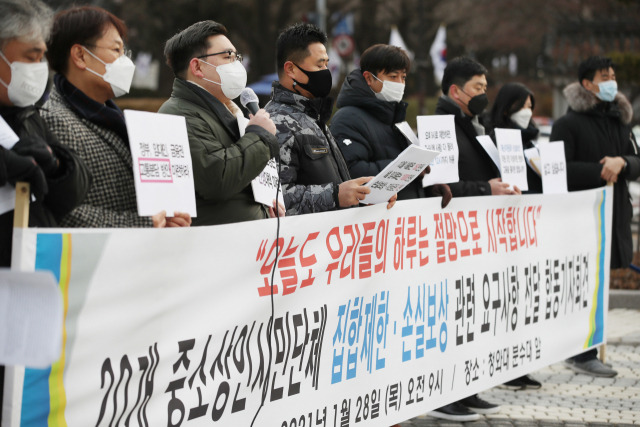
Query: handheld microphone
[249, 100]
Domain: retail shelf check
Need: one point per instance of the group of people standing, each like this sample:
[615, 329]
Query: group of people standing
[74, 149]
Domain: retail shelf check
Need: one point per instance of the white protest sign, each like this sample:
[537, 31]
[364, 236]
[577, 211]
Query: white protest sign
[408, 132]
[438, 133]
[487, 143]
[8, 137]
[31, 318]
[554, 167]
[398, 174]
[162, 168]
[404, 310]
[513, 167]
[7, 198]
[265, 185]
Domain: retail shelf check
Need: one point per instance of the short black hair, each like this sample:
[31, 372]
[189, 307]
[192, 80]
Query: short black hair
[293, 43]
[189, 43]
[588, 68]
[79, 25]
[510, 99]
[384, 57]
[459, 71]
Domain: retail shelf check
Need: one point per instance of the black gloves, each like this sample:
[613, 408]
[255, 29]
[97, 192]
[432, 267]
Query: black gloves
[41, 152]
[21, 168]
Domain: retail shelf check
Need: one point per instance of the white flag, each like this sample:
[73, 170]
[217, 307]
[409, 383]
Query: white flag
[395, 39]
[438, 53]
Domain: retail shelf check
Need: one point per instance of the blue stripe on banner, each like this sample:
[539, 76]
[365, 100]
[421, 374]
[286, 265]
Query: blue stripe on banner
[35, 393]
[598, 336]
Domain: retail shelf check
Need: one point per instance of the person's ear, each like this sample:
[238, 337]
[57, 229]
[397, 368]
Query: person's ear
[588, 84]
[289, 70]
[77, 56]
[195, 67]
[454, 92]
[368, 77]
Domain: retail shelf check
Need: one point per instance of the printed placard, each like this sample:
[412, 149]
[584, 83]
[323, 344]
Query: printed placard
[438, 133]
[513, 167]
[162, 169]
[265, 185]
[398, 174]
[554, 167]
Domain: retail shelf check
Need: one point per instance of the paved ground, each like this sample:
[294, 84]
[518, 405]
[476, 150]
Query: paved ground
[570, 399]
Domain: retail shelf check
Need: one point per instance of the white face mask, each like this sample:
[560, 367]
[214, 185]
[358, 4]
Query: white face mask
[233, 78]
[28, 81]
[118, 74]
[522, 117]
[391, 91]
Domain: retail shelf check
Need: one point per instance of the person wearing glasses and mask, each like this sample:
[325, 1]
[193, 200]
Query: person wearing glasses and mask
[370, 104]
[226, 157]
[59, 179]
[314, 175]
[92, 65]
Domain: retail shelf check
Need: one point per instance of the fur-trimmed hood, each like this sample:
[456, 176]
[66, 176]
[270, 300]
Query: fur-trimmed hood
[581, 100]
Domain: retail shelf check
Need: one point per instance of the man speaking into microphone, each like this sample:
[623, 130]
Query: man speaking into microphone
[208, 76]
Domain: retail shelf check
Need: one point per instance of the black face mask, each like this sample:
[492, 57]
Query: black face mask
[478, 103]
[319, 84]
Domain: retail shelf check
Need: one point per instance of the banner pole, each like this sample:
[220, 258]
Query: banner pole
[21, 212]
[14, 375]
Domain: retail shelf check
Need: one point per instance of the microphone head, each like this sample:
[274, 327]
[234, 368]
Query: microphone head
[248, 95]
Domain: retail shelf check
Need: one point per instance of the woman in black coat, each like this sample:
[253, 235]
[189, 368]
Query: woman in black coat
[513, 109]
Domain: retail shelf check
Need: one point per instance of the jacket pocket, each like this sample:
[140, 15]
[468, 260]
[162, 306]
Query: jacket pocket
[313, 147]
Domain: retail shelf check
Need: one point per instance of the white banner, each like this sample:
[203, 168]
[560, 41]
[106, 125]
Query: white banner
[379, 315]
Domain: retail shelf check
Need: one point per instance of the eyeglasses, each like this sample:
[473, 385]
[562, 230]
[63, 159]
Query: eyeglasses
[233, 55]
[121, 52]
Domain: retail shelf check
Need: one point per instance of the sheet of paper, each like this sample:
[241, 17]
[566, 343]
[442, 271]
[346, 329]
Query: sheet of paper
[487, 143]
[408, 133]
[31, 318]
[398, 174]
[554, 167]
[438, 133]
[7, 198]
[162, 167]
[513, 167]
[532, 156]
[264, 186]
[8, 137]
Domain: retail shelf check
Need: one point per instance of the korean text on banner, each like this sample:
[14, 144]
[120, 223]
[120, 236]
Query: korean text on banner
[162, 169]
[380, 315]
[438, 133]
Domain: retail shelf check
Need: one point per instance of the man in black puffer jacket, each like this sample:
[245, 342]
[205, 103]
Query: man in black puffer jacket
[599, 148]
[370, 104]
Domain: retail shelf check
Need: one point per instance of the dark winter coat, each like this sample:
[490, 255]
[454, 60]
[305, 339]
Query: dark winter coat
[475, 167]
[591, 130]
[364, 128]
[224, 163]
[67, 187]
[311, 164]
